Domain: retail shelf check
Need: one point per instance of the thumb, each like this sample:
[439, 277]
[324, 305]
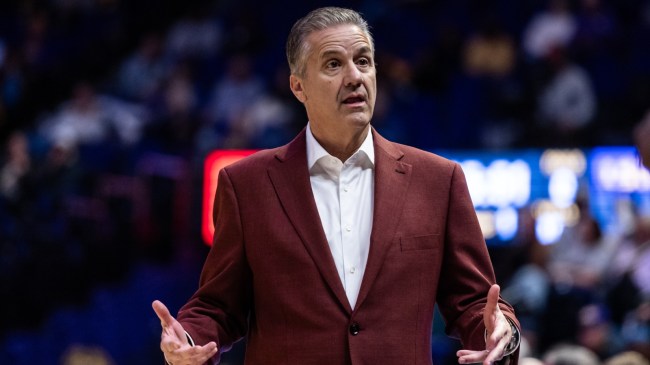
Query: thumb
[169, 324]
[491, 307]
[166, 319]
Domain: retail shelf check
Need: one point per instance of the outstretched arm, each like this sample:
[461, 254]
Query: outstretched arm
[501, 339]
[175, 343]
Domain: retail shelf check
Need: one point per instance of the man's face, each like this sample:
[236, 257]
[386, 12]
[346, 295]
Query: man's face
[339, 83]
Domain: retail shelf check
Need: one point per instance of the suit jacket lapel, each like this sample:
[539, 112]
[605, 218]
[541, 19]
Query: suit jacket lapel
[290, 178]
[392, 179]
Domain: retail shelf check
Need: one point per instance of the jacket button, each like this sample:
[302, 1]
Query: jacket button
[354, 329]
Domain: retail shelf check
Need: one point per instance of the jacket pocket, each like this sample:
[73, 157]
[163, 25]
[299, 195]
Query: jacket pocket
[419, 243]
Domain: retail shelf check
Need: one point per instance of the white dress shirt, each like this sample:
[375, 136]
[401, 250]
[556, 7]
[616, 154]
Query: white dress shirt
[344, 194]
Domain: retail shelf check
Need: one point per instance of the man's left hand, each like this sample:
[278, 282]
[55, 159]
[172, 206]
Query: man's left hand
[499, 333]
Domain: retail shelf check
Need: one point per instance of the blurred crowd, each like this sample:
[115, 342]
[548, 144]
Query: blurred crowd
[108, 108]
[590, 289]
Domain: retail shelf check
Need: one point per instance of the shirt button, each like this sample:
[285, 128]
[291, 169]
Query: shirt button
[354, 329]
[345, 189]
[352, 269]
[348, 228]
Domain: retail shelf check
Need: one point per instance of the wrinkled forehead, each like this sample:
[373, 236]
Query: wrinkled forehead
[343, 37]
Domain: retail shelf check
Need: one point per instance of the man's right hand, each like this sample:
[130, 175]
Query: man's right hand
[174, 343]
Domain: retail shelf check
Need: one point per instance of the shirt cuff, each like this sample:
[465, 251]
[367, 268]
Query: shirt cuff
[189, 339]
[515, 339]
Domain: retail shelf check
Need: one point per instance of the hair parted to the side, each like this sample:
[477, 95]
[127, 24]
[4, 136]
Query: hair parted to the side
[319, 19]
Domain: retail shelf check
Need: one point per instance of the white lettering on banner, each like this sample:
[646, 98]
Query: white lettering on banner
[500, 184]
[549, 227]
[563, 187]
[507, 222]
[620, 173]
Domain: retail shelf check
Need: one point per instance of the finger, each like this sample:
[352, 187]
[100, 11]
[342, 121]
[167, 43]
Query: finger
[179, 332]
[203, 353]
[169, 344]
[492, 309]
[471, 356]
[501, 329]
[178, 355]
[173, 334]
[163, 313]
[497, 353]
[192, 354]
[492, 299]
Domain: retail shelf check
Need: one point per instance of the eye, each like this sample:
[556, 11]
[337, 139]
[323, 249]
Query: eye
[363, 61]
[332, 64]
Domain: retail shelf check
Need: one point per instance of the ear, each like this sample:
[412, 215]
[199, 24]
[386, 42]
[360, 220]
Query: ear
[295, 83]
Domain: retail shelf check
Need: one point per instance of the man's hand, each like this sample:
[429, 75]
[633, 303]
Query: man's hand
[499, 333]
[174, 343]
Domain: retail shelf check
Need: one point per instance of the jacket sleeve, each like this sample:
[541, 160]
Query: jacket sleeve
[467, 272]
[219, 309]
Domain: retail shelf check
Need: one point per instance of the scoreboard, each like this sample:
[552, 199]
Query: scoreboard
[502, 183]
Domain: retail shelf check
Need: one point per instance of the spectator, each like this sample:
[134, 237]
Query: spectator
[81, 355]
[267, 122]
[196, 36]
[549, 29]
[627, 358]
[564, 354]
[529, 360]
[566, 104]
[15, 167]
[576, 267]
[90, 119]
[596, 331]
[491, 55]
[629, 272]
[635, 330]
[231, 97]
[12, 78]
[581, 256]
[528, 286]
[142, 73]
[175, 105]
[490, 52]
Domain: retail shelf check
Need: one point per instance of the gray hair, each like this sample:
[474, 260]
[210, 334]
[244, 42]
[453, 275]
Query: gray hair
[317, 20]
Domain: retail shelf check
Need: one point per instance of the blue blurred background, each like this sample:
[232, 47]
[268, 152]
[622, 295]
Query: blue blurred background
[108, 109]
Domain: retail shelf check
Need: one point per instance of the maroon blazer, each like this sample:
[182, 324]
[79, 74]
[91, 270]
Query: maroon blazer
[270, 275]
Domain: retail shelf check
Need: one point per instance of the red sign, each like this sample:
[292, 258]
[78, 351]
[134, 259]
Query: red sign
[213, 164]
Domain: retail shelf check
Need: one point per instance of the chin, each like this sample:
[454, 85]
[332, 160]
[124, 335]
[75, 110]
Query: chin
[359, 120]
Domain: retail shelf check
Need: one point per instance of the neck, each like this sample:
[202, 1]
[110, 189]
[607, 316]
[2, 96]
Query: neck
[341, 145]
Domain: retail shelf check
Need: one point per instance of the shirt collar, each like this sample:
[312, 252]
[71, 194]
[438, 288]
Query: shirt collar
[315, 151]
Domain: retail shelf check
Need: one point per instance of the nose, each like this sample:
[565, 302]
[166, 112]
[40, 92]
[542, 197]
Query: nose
[353, 75]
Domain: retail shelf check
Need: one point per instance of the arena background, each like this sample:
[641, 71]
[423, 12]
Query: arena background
[112, 110]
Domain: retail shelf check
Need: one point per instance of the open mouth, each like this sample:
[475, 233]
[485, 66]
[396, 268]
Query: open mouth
[354, 100]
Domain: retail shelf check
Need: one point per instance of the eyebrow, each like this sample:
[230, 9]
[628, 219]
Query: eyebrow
[364, 49]
[361, 50]
[329, 54]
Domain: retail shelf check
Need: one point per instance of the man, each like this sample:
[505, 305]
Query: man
[334, 248]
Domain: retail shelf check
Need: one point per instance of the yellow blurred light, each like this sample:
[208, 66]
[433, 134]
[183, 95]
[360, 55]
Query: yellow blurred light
[486, 220]
[553, 159]
[570, 214]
